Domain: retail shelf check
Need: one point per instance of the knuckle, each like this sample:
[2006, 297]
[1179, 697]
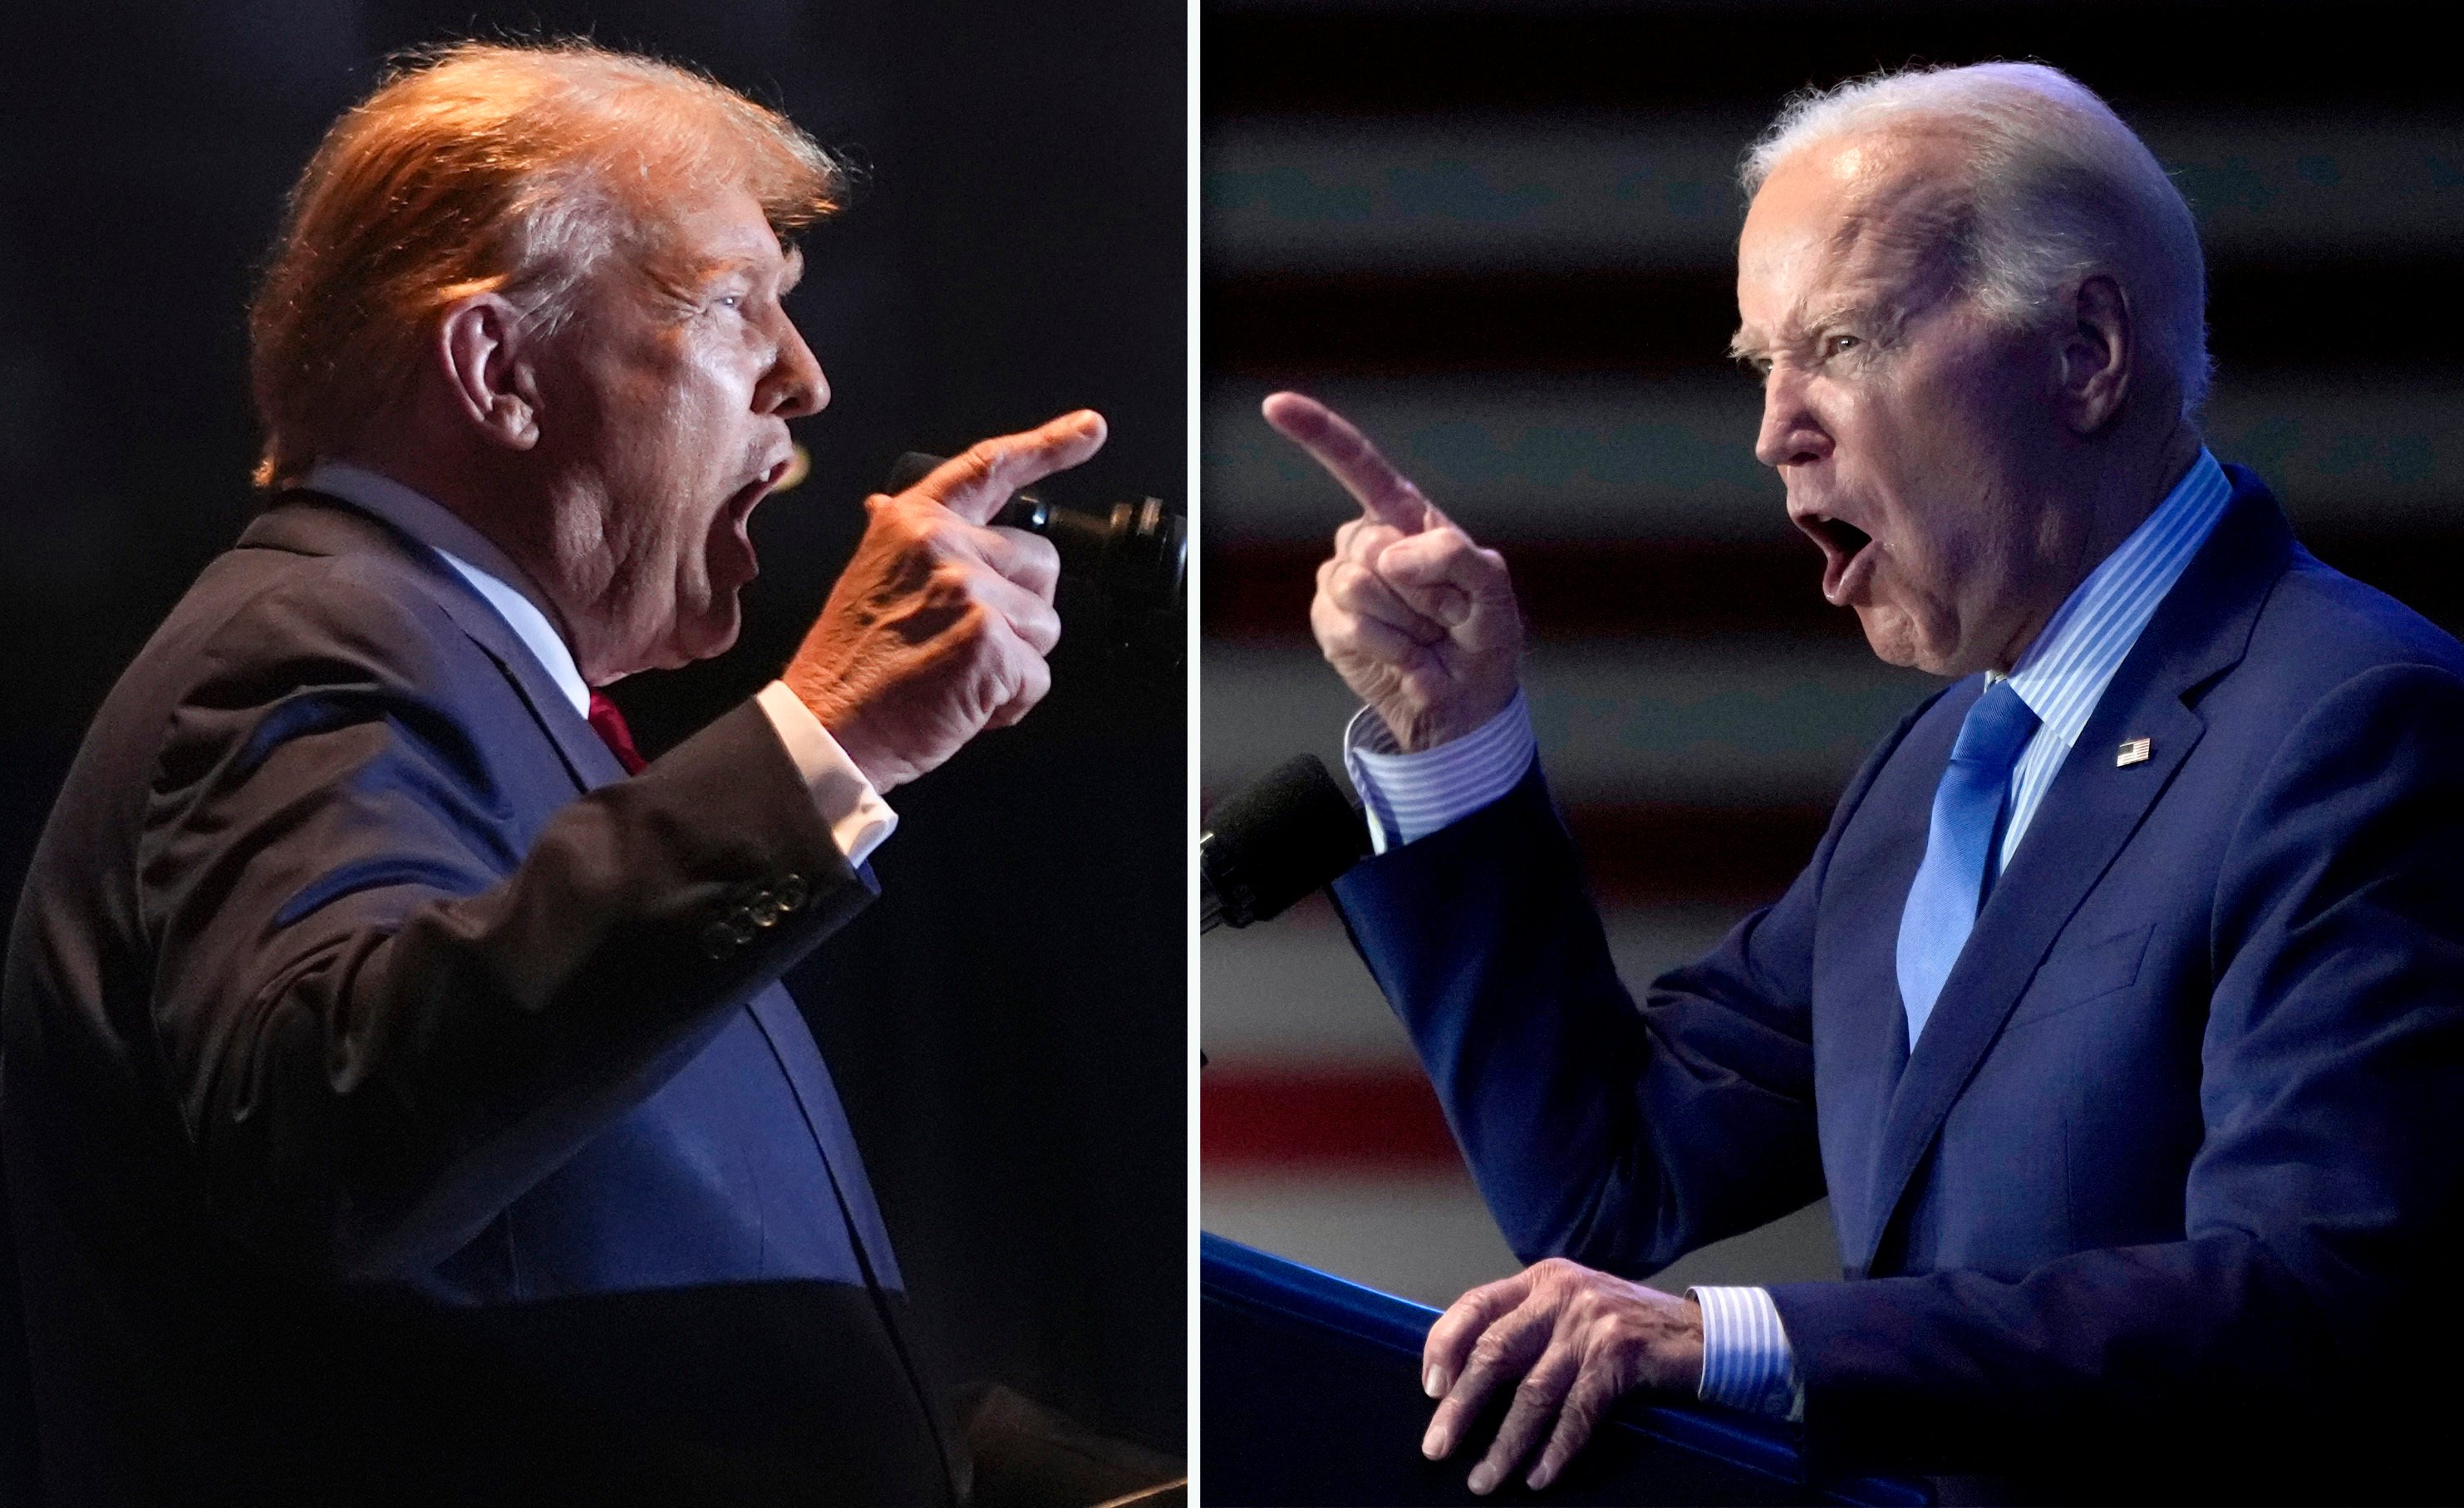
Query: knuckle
[951, 581]
[913, 528]
[1332, 618]
[1027, 690]
[973, 625]
[981, 458]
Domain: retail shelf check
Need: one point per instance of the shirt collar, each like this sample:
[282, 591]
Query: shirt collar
[501, 583]
[2065, 672]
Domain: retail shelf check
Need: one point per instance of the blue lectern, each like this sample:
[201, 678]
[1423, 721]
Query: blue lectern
[1311, 1395]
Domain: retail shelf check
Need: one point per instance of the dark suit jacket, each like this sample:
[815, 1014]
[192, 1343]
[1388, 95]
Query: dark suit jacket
[2179, 1148]
[398, 1101]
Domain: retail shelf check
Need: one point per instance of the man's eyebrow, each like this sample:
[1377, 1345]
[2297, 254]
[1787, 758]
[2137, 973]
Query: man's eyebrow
[1838, 314]
[1800, 329]
[701, 271]
[1749, 345]
[687, 278]
[1879, 318]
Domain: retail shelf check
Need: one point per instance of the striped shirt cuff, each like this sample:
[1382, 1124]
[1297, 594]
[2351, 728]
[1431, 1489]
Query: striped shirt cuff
[1747, 1361]
[1409, 796]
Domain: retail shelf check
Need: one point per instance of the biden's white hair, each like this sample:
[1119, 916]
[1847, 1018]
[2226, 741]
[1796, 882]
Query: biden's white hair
[2056, 190]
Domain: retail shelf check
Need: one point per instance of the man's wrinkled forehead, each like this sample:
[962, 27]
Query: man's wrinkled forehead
[683, 231]
[1859, 220]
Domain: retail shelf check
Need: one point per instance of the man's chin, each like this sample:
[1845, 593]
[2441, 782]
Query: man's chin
[1894, 640]
[708, 637]
[695, 636]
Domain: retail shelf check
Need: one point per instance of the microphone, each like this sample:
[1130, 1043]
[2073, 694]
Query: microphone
[1137, 556]
[1274, 841]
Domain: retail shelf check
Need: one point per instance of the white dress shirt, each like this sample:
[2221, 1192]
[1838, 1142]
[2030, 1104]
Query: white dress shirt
[858, 818]
[1746, 1360]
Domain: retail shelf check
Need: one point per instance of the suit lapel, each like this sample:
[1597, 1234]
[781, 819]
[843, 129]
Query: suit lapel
[2199, 632]
[1860, 1029]
[311, 523]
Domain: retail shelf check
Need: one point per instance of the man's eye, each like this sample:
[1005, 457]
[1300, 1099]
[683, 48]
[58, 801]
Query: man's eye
[1836, 344]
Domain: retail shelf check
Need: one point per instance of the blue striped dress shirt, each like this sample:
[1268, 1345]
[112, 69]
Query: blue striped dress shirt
[1746, 1360]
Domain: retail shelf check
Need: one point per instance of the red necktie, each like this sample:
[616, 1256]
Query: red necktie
[610, 725]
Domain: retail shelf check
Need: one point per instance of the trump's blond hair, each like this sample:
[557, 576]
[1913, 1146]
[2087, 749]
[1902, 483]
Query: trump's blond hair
[485, 168]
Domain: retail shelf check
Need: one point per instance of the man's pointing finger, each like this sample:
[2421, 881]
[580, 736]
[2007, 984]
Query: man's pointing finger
[1385, 492]
[975, 483]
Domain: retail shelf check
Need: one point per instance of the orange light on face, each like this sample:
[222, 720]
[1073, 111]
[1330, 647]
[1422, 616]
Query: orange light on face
[798, 468]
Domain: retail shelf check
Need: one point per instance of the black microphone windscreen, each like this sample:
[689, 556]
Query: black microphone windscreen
[1271, 842]
[911, 469]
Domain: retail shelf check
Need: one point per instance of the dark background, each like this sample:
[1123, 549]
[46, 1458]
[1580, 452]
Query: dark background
[1501, 236]
[1007, 1024]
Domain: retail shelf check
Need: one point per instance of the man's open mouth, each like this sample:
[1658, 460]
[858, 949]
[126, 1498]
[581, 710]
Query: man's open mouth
[1843, 549]
[735, 520]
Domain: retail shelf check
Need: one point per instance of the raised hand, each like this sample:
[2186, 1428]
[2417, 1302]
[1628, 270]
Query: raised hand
[1576, 1338]
[1420, 621]
[938, 627]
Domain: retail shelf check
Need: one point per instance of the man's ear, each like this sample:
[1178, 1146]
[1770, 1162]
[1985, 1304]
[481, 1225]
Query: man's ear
[2098, 356]
[482, 345]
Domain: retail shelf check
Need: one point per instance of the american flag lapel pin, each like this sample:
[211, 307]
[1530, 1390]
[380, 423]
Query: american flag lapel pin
[2134, 751]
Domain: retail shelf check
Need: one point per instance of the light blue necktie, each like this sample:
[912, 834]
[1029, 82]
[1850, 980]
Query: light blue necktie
[1967, 814]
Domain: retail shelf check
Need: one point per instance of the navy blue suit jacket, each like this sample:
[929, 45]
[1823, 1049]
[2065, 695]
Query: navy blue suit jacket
[398, 1099]
[2180, 1144]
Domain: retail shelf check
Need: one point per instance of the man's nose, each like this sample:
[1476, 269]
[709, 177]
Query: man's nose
[794, 386]
[1791, 433]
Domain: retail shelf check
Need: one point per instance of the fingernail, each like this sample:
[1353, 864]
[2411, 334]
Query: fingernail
[1434, 1381]
[1433, 1444]
[1541, 1477]
[1484, 1476]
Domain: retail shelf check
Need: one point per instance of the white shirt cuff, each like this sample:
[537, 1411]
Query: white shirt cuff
[1409, 796]
[1747, 1361]
[859, 818]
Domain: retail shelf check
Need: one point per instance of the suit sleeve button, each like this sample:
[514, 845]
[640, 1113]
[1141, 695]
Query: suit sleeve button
[767, 911]
[717, 941]
[792, 893]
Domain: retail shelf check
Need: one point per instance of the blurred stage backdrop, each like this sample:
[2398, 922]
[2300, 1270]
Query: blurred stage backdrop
[1501, 238]
[1008, 1022]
